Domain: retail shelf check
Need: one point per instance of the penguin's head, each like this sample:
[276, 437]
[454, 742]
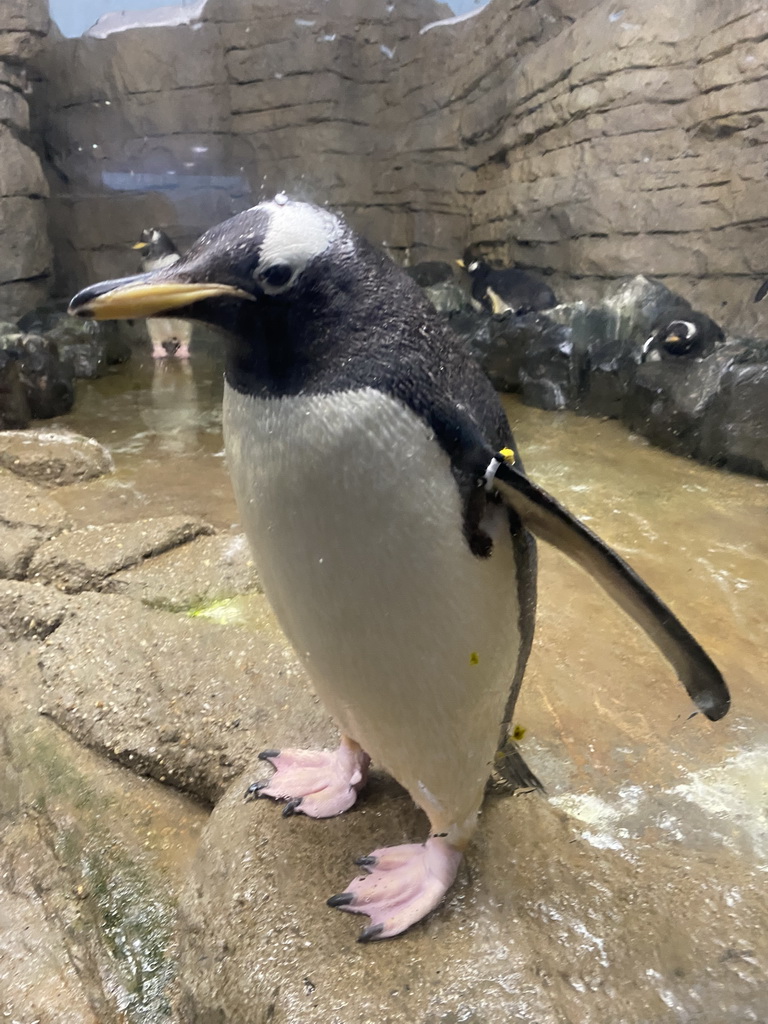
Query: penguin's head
[677, 338]
[269, 255]
[476, 268]
[154, 243]
[691, 334]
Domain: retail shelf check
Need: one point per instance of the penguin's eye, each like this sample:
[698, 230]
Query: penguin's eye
[276, 276]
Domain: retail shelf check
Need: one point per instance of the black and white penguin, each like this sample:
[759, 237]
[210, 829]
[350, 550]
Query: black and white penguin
[505, 289]
[391, 524]
[686, 333]
[169, 337]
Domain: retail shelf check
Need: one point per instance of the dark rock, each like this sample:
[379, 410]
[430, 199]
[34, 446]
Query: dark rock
[531, 354]
[640, 302]
[88, 345]
[735, 430]
[48, 380]
[82, 345]
[14, 404]
[430, 273]
[446, 297]
[668, 401]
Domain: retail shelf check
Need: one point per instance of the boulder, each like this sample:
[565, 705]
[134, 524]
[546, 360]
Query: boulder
[735, 429]
[14, 404]
[48, 380]
[53, 457]
[669, 402]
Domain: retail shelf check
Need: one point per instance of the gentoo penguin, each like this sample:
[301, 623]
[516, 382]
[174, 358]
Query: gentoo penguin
[685, 333]
[500, 290]
[168, 337]
[390, 520]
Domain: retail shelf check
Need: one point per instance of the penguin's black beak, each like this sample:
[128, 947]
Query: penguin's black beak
[145, 295]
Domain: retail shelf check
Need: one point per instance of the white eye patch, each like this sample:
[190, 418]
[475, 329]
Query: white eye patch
[296, 234]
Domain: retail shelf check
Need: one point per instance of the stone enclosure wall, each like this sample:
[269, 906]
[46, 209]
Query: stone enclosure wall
[582, 139]
[25, 253]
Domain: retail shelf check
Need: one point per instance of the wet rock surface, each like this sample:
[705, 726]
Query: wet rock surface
[203, 573]
[91, 859]
[53, 457]
[81, 559]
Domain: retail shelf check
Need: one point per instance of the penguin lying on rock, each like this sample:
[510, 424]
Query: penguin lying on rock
[684, 333]
[392, 525]
[168, 337]
[501, 290]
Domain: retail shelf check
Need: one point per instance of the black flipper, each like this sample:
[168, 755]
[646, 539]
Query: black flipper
[549, 520]
[762, 291]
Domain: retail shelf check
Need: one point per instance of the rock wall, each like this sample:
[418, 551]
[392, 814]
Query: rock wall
[584, 141]
[25, 253]
[634, 142]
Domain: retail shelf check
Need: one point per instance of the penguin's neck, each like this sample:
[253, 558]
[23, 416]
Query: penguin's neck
[279, 350]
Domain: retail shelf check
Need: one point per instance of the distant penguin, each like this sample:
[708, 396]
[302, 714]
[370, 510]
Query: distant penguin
[499, 290]
[168, 337]
[391, 522]
[687, 333]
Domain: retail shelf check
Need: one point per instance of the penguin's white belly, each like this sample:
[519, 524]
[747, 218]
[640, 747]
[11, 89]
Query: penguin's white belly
[411, 641]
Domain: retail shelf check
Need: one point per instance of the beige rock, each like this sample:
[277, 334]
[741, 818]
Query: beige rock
[53, 457]
[26, 251]
[80, 559]
[20, 170]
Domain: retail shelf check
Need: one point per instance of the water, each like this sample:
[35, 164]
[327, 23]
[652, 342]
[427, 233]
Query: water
[674, 802]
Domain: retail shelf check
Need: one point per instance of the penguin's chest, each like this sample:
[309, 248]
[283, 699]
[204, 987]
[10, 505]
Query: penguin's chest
[355, 522]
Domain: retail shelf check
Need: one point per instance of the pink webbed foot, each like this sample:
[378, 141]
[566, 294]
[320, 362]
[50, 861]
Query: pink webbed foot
[318, 783]
[182, 352]
[158, 352]
[402, 885]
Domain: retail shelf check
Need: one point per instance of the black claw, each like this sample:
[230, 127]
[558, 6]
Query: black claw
[365, 862]
[255, 788]
[267, 755]
[290, 808]
[373, 931]
[341, 899]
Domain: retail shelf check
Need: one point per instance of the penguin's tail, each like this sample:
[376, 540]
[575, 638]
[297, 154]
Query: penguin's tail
[511, 774]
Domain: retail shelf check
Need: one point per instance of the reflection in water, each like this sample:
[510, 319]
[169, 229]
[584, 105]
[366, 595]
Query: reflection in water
[173, 416]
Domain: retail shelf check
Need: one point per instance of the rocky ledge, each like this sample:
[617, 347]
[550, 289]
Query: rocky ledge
[708, 402]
